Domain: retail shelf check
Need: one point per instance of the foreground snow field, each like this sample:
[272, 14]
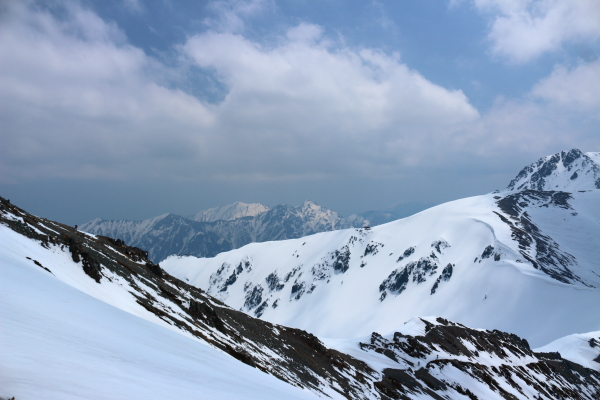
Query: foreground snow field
[60, 343]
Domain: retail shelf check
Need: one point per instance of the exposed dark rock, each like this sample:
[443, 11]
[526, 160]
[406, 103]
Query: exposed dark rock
[341, 261]
[537, 176]
[440, 245]
[444, 276]
[407, 253]
[253, 298]
[396, 282]
[36, 262]
[261, 309]
[201, 310]
[487, 252]
[574, 176]
[273, 282]
[298, 289]
[536, 247]
[544, 373]
[154, 268]
[372, 248]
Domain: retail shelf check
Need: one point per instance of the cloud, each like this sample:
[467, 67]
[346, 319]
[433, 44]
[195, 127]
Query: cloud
[78, 101]
[577, 88]
[522, 30]
[314, 100]
[560, 112]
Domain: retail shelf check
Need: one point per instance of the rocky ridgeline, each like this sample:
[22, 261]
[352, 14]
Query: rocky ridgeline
[447, 361]
[535, 246]
[493, 362]
[567, 170]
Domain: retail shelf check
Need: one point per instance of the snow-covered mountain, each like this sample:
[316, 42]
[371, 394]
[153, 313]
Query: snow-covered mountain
[519, 261]
[170, 234]
[229, 212]
[568, 170]
[580, 348]
[84, 316]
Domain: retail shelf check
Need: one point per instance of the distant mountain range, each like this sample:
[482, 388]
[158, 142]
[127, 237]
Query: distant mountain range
[212, 231]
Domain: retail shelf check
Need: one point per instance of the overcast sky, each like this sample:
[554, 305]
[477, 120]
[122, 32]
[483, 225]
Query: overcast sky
[131, 109]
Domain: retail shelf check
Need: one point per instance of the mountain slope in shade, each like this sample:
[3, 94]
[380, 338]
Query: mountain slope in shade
[568, 170]
[65, 343]
[580, 348]
[170, 234]
[229, 212]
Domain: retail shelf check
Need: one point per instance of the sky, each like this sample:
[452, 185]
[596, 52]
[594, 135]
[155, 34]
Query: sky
[131, 109]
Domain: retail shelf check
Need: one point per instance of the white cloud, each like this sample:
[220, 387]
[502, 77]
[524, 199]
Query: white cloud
[577, 88]
[522, 30]
[78, 101]
[560, 112]
[313, 99]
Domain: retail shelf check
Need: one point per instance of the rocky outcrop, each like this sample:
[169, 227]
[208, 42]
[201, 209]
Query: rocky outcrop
[566, 171]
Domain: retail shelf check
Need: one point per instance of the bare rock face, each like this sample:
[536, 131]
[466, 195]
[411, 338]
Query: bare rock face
[500, 365]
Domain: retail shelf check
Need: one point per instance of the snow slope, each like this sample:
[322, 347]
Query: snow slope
[60, 343]
[581, 348]
[521, 262]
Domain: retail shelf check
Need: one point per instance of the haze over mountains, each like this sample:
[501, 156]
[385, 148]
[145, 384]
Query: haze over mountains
[219, 229]
[79, 309]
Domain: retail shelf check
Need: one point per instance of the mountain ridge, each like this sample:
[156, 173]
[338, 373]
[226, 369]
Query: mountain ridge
[568, 171]
[519, 252]
[434, 358]
[170, 234]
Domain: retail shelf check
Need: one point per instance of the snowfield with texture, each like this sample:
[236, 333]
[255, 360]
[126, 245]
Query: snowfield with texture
[59, 343]
[523, 263]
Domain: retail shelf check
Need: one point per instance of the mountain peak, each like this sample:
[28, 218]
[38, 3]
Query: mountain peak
[567, 171]
[230, 212]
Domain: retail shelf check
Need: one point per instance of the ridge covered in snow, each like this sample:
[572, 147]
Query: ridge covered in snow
[86, 316]
[520, 261]
[568, 171]
[580, 348]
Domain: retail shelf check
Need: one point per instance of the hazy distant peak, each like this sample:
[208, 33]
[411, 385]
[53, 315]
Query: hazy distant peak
[230, 212]
[568, 171]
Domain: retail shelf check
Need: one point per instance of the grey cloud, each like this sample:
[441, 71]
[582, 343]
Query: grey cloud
[79, 102]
